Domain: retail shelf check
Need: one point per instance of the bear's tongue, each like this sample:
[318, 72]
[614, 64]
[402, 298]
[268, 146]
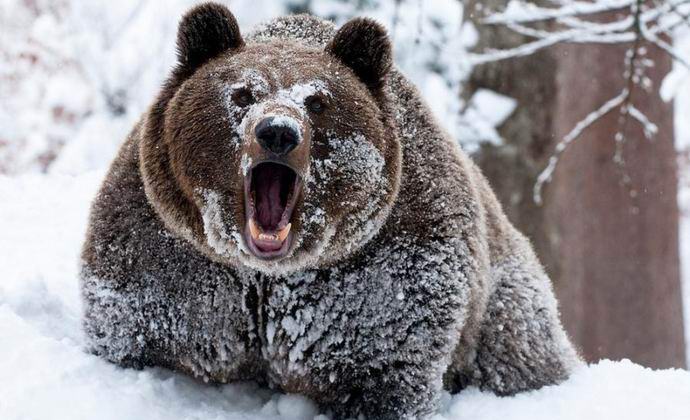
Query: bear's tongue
[272, 184]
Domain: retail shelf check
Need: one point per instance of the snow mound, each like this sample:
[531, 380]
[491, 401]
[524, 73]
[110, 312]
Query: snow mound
[47, 375]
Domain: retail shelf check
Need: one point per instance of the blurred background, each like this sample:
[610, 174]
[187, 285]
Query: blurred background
[578, 113]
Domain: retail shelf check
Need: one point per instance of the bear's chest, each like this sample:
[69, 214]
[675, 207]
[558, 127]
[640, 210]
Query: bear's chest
[320, 321]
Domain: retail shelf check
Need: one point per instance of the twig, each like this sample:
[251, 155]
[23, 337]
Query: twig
[591, 118]
[633, 73]
[652, 38]
[650, 129]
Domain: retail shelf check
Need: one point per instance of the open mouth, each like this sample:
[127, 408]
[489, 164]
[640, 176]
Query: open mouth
[270, 194]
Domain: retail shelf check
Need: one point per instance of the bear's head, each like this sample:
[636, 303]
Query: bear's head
[273, 154]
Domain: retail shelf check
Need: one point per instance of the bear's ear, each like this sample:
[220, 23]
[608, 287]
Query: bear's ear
[363, 45]
[205, 32]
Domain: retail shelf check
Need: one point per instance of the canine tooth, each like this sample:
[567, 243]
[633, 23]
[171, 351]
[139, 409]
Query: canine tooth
[283, 233]
[254, 229]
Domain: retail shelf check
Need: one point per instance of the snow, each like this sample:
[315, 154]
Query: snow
[487, 110]
[298, 93]
[245, 164]
[217, 235]
[287, 122]
[492, 106]
[606, 390]
[47, 374]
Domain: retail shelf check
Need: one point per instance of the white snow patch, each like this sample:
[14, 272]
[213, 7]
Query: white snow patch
[493, 107]
[317, 217]
[288, 122]
[299, 92]
[245, 164]
[354, 154]
[293, 97]
[291, 407]
[485, 112]
[256, 81]
[218, 237]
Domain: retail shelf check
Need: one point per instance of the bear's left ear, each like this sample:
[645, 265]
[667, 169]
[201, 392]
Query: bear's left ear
[205, 32]
[363, 45]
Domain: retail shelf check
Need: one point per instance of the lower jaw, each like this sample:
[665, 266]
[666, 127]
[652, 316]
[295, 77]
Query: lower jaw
[267, 255]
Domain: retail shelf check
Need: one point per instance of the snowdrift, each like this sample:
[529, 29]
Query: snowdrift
[45, 374]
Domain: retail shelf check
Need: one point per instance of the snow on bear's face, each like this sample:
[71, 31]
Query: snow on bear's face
[288, 153]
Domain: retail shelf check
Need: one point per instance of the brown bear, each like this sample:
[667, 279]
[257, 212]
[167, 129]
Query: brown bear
[288, 211]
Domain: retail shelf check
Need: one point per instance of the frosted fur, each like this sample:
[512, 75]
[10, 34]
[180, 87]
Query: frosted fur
[245, 164]
[289, 98]
[360, 160]
[402, 295]
[218, 236]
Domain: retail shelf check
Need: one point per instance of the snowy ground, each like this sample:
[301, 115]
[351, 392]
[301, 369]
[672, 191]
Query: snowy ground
[47, 375]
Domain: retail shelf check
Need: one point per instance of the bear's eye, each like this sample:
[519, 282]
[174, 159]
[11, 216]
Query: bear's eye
[243, 97]
[315, 104]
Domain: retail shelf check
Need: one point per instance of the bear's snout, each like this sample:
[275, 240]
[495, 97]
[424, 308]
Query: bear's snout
[278, 134]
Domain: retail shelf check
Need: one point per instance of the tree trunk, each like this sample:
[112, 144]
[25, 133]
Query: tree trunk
[611, 247]
[618, 241]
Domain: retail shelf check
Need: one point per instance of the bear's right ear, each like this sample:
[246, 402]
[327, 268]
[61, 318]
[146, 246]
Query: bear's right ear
[205, 32]
[363, 46]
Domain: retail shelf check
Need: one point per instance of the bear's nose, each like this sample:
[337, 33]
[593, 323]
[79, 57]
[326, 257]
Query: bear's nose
[278, 134]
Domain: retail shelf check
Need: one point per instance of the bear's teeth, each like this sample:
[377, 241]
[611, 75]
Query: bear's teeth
[283, 233]
[257, 234]
[254, 229]
[267, 237]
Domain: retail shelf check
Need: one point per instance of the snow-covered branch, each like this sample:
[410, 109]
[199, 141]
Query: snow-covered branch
[635, 23]
[650, 129]
[524, 12]
[591, 118]
[572, 27]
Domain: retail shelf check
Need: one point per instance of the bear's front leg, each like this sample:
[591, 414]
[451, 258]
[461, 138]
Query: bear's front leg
[373, 337]
[397, 391]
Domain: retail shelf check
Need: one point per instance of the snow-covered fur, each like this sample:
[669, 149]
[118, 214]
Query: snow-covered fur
[405, 275]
